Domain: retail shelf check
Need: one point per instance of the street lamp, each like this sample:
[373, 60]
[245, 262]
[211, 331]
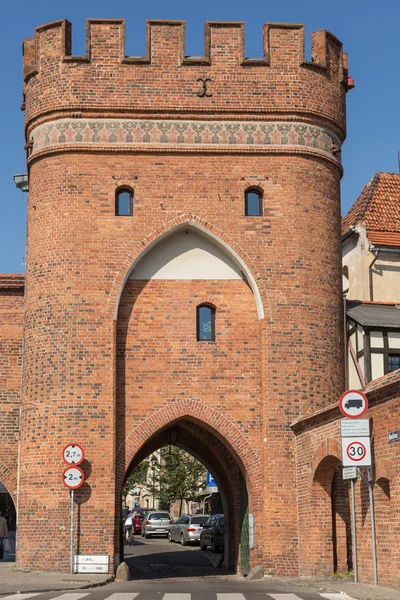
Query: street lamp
[21, 181]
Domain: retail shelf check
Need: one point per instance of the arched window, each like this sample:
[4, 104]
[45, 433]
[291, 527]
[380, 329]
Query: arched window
[253, 201]
[124, 203]
[205, 323]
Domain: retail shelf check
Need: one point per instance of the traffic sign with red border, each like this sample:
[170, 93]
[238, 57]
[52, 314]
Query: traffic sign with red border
[356, 452]
[73, 454]
[73, 477]
[353, 404]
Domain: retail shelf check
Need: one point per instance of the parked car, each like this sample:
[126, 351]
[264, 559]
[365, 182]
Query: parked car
[187, 529]
[156, 523]
[213, 533]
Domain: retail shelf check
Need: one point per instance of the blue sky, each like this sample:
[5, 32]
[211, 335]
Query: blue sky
[368, 29]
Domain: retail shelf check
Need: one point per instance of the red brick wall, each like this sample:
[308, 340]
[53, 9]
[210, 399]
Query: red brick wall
[318, 443]
[11, 323]
[79, 253]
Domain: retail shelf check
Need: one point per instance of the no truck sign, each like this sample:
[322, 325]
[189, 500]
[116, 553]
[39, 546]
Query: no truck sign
[353, 404]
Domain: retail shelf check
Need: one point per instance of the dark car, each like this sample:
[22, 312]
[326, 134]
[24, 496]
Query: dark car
[213, 533]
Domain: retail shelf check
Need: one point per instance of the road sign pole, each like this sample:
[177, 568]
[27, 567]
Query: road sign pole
[72, 532]
[353, 521]
[368, 481]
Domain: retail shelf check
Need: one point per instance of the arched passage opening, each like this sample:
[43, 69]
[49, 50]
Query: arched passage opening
[199, 440]
[330, 548]
[208, 388]
[8, 512]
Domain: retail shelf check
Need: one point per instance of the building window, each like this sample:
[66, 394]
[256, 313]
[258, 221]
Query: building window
[253, 203]
[205, 323]
[124, 203]
[393, 362]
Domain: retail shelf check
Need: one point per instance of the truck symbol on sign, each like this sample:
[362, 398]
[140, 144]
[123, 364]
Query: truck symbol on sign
[354, 403]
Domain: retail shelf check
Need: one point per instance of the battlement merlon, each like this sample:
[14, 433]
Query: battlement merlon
[283, 53]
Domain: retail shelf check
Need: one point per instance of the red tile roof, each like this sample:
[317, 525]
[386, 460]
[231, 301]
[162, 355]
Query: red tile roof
[378, 207]
[11, 281]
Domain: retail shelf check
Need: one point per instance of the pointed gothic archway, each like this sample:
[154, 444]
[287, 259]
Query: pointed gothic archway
[167, 378]
[239, 486]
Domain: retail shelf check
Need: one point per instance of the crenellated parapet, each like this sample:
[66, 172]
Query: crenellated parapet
[223, 83]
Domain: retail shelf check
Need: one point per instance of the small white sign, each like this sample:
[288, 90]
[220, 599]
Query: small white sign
[393, 436]
[356, 452]
[92, 563]
[350, 473]
[354, 428]
[212, 489]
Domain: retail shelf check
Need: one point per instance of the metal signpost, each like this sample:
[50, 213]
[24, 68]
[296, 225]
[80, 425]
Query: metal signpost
[72, 477]
[356, 453]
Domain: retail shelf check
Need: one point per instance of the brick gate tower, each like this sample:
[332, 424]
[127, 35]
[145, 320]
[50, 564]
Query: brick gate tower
[183, 273]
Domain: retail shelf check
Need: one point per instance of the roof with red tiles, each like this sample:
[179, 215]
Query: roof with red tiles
[12, 281]
[378, 207]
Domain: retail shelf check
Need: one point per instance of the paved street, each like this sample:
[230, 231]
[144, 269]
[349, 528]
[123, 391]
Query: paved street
[164, 571]
[157, 558]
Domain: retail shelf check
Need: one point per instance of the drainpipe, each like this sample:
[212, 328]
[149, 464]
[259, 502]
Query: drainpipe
[346, 368]
[371, 289]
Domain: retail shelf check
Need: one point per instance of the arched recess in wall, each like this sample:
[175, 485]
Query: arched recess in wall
[330, 547]
[384, 495]
[161, 365]
[211, 244]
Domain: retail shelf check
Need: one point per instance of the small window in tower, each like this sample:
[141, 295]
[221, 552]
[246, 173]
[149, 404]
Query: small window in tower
[205, 323]
[124, 203]
[253, 203]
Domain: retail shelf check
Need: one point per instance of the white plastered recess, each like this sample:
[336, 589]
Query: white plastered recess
[186, 255]
[230, 257]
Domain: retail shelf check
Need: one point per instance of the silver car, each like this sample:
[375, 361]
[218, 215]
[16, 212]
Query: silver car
[156, 523]
[187, 529]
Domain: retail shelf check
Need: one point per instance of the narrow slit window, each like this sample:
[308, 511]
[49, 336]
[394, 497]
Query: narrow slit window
[253, 203]
[124, 203]
[205, 323]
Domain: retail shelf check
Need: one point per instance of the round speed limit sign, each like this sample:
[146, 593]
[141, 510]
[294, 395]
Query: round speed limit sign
[73, 454]
[356, 452]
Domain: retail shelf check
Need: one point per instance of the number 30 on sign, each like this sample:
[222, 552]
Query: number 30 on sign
[356, 452]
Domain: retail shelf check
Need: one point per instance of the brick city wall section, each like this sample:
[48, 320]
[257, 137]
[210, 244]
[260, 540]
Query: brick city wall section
[11, 325]
[318, 455]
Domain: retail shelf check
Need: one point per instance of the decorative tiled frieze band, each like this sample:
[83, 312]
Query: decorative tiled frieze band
[139, 132]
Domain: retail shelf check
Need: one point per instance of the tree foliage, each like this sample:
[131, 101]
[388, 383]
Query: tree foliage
[176, 476]
[136, 478]
[181, 476]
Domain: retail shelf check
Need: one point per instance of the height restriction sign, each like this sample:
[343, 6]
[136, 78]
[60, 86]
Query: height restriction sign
[73, 454]
[356, 452]
[73, 477]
